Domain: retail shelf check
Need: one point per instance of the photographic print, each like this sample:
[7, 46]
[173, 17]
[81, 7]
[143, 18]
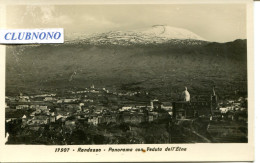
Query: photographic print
[128, 74]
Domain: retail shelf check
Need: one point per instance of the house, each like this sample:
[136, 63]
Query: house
[166, 106]
[34, 128]
[88, 100]
[34, 106]
[237, 104]
[125, 108]
[94, 91]
[10, 116]
[78, 92]
[48, 99]
[22, 107]
[180, 114]
[59, 101]
[230, 101]
[152, 116]
[94, 119]
[128, 117]
[24, 119]
[70, 124]
[43, 107]
[72, 107]
[43, 110]
[52, 119]
[110, 118]
[37, 111]
[80, 117]
[6, 105]
[24, 99]
[62, 117]
[155, 104]
[38, 120]
[163, 115]
[140, 106]
[223, 110]
[70, 100]
[33, 114]
[81, 104]
[170, 113]
[10, 99]
[98, 112]
[8, 120]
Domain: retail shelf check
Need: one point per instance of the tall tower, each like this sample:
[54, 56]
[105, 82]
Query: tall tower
[213, 100]
[152, 107]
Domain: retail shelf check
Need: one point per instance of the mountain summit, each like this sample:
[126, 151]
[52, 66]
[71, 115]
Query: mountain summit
[156, 34]
[171, 32]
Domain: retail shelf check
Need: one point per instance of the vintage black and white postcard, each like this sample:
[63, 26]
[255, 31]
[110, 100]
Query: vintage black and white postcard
[133, 81]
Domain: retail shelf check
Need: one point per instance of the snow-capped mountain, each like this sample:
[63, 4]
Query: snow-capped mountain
[171, 33]
[156, 34]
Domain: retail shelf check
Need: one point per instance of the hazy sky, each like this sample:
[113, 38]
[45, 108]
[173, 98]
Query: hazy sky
[218, 22]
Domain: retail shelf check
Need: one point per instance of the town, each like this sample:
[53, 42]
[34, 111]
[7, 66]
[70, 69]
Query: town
[101, 116]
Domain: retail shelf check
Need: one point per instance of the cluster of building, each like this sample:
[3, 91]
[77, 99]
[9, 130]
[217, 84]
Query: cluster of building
[85, 106]
[214, 108]
[95, 106]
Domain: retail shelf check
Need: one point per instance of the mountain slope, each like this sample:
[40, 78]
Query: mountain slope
[163, 69]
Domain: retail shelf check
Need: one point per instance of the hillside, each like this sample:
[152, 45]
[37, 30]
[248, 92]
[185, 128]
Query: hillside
[156, 59]
[161, 68]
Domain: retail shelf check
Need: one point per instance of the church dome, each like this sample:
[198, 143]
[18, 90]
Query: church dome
[185, 95]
